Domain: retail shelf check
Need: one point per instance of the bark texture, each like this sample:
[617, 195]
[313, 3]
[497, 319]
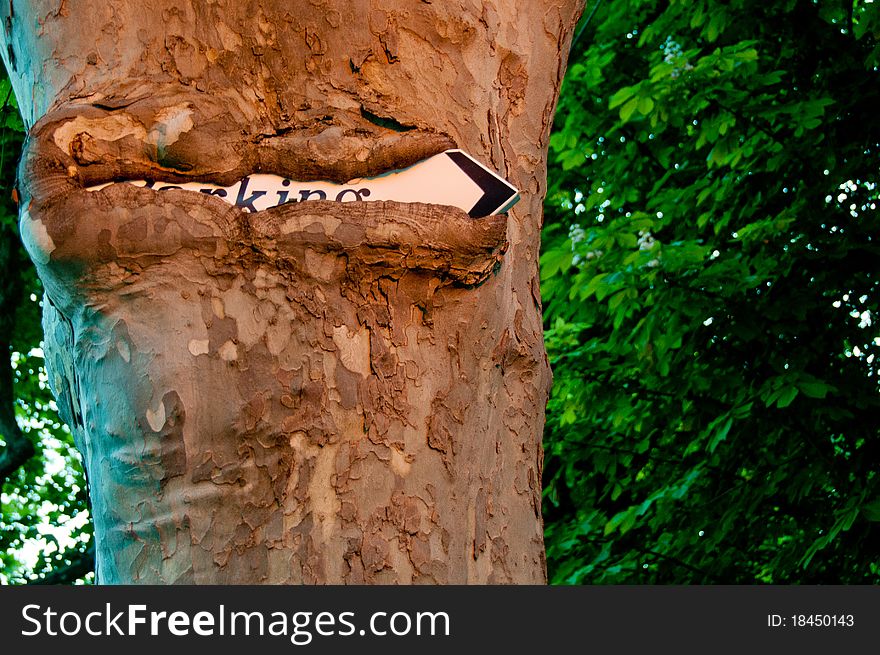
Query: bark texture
[319, 392]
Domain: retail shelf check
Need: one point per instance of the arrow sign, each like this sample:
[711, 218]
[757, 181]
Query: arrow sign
[451, 178]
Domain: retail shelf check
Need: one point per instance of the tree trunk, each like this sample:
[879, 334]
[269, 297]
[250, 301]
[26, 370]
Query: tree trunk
[319, 392]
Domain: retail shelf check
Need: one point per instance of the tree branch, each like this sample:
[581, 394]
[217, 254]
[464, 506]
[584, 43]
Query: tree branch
[18, 447]
[81, 564]
[577, 36]
[678, 562]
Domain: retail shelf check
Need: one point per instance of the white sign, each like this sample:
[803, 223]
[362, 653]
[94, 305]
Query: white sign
[451, 178]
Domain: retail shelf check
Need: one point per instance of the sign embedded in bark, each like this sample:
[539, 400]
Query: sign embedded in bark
[450, 178]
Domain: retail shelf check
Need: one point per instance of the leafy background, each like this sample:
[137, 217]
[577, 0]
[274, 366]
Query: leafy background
[710, 280]
[710, 283]
[44, 527]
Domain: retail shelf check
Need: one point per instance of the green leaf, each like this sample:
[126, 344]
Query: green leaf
[554, 261]
[621, 96]
[786, 397]
[871, 510]
[720, 434]
[627, 110]
[814, 389]
[593, 285]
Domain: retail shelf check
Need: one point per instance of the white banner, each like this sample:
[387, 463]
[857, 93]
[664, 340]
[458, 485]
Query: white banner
[451, 178]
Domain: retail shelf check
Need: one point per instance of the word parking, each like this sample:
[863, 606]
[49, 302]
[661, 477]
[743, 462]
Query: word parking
[451, 178]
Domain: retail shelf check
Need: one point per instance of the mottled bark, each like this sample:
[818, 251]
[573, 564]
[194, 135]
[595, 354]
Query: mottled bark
[319, 392]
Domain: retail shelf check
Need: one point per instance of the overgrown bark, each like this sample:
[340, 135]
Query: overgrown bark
[319, 392]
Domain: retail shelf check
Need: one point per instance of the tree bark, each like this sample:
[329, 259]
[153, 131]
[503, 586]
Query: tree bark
[319, 392]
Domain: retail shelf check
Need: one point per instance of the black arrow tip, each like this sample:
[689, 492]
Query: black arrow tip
[498, 194]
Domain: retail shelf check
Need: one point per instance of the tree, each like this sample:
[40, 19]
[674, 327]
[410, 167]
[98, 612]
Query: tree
[320, 392]
[711, 280]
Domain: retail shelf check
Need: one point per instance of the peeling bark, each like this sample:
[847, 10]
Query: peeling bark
[318, 392]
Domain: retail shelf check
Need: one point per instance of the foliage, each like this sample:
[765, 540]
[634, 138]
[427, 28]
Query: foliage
[710, 280]
[44, 502]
